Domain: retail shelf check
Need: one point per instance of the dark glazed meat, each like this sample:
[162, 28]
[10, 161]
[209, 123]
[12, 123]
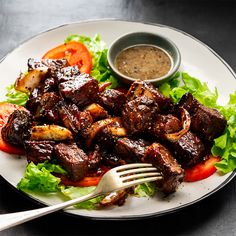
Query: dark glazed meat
[53, 64]
[73, 159]
[48, 107]
[131, 150]
[82, 91]
[162, 159]
[67, 73]
[17, 128]
[166, 124]
[188, 150]
[138, 115]
[206, 122]
[113, 100]
[39, 151]
[140, 88]
[34, 100]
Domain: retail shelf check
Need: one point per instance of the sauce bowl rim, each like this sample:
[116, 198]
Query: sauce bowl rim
[175, 63]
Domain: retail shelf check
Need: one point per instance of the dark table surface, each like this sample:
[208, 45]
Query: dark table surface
[212, 22]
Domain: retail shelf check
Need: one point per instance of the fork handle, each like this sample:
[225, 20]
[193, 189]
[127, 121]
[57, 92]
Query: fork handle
[13, 219]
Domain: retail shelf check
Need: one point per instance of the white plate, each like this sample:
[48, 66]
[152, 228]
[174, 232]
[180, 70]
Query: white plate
[197, 59]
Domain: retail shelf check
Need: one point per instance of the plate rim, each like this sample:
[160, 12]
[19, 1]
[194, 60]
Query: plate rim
[135, 217]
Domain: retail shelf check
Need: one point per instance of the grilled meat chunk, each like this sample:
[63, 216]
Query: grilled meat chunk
[206, 122]
[109, 134]
[49, 85]
[53, 64]
[18, 127]
[39, 151]
[140, 88]
[82, 91]
[111, 159]
[67, 73]
[94, 158]
[188, 150]
[138, 115]
[34, 100]
[163, 160]
[113, 100]
[48, 108]
[73, 159]
[131, 150]
[166, 124]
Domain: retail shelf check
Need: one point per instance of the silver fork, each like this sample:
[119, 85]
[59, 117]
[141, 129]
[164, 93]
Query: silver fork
[118, 178]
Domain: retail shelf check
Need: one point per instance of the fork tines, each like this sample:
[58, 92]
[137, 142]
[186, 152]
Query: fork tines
[138, 173]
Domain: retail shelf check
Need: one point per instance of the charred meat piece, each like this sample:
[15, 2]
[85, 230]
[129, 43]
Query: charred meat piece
[69, 115]
[138, 115]
[96, 129]
[85, 121]
[79, 122]
[109, 135]
[82, 91]
[49, 85]
[163, 160]
[39, 151]
[113, 100]
[53, 64]
[131, 150]
[33, 101]
[94, 158]
[96, 111]
[67, 73]
[18, 127]
[115, 198]
[140, 88]
[48, 108]
[188, 150]
[166, 124]
[111, 159]
[206, 122]
[73, 159]
[169, 127]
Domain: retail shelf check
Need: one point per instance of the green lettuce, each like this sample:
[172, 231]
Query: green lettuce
[75, 192]
[145, 190]
[97, 48]
[16, 97]
[39, 178]
[225, 145]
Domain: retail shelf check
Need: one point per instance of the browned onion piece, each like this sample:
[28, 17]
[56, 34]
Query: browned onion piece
[98, 127]
[186, 122]
[103, 86]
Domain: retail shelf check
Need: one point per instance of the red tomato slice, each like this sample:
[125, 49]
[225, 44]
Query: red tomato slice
[86, 181]
[202, 170]
[76, 54]
[5, 110]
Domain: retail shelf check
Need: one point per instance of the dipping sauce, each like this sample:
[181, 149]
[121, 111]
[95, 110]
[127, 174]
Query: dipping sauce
[143, 62]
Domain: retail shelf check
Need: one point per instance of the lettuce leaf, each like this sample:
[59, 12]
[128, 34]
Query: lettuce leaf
[15, 96]
[74, 192]
[145, 190]
[97, 48]
[39, 178]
